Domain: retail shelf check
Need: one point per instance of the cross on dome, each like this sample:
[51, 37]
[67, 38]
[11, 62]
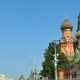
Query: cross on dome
[65, 15]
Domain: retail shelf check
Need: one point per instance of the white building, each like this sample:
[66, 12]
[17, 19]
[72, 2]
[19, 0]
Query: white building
[3, 77]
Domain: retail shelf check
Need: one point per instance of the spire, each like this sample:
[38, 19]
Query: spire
[65, 15]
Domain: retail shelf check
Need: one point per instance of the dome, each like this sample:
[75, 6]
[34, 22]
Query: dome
[66, 25]
[77, 34]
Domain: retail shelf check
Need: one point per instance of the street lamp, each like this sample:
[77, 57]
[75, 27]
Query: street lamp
[55, 62]
[34, 65]
[34, 62]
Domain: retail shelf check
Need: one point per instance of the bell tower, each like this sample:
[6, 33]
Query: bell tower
[67, 41]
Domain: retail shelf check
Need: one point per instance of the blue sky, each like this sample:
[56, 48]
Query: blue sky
[27, 27]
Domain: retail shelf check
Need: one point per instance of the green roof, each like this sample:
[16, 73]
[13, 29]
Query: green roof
[76, 57]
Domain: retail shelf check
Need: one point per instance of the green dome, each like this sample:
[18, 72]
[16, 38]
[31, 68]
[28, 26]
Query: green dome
[66, 25]
[77, 34]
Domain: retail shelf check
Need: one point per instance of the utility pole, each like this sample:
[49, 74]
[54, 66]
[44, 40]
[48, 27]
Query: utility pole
[55, 61]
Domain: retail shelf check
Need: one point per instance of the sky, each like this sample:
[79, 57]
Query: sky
[27, 27]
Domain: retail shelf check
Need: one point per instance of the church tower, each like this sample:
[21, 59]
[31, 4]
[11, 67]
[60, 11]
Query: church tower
[67, 41]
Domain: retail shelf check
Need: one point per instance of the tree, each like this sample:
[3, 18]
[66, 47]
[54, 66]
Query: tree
[48, 63]
[21, 78]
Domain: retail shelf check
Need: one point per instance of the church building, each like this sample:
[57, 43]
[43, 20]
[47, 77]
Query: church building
[71, 48]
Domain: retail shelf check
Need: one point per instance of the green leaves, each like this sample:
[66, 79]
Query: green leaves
[48, 64]
[63, 62]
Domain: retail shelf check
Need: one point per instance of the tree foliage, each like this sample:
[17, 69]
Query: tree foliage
[48, 63]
